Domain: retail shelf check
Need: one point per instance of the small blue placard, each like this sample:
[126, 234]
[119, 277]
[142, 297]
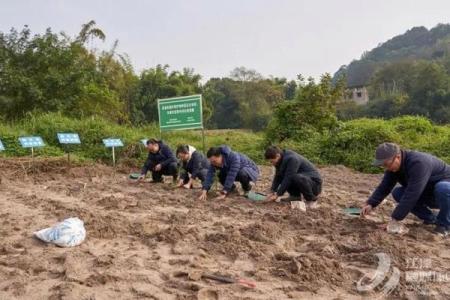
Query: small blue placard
[144, 141]
[112, 143]
[69, 138]
[31, 142]
[2, 148]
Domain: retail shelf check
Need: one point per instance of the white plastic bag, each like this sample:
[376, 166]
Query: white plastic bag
[68, 233]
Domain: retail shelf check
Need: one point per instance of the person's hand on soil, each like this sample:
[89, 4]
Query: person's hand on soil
[180, 183]
[365, 210]
[158, 167]
[222, 196]
[141, 177]
[203, 195]
[272, 197]
[188, 185]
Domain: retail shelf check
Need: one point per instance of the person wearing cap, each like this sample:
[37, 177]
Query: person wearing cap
[194, 165]
[232, 166]
[160, 161]
[293, 174]
[424, 185]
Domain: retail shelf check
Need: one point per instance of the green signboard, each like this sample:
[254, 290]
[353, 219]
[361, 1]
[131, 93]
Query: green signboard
[180, 113]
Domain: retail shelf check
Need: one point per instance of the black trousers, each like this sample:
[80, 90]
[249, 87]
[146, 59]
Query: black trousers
[305, 186]
[169, 170]
[201, 176]
[242, 177]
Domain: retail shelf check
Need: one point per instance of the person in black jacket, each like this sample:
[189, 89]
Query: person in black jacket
[425, 184]
[194, 166]
[294, 174]
[161, 161]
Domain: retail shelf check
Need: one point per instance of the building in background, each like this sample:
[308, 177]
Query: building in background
[358, 94]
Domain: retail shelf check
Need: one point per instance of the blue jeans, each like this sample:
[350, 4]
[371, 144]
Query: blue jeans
[441, 194]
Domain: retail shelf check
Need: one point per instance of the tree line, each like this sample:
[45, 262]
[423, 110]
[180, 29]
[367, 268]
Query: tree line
[418, 43]
[412, 87]
[53, 72]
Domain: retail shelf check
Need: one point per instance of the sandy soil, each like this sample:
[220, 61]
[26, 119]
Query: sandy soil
[149, 241]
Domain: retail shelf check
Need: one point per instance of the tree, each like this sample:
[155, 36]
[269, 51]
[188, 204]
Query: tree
[157, 83]
[88, 31]
[418, 43]
[314, 109]
[245, 100]
[51, 72]
[409, 87]
[244, 74]
[290, 88]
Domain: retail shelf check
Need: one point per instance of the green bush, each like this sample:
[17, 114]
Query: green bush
[10, 138]
[349, 143]
[93, 130]
[353, 143]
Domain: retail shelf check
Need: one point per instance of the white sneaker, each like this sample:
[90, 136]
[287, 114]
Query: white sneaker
[312, 204]
[300, 205]
[395, 227]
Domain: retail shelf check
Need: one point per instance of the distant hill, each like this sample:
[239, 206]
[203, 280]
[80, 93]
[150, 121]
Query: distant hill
[416, 43]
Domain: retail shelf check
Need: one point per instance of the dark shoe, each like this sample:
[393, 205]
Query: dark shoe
[429, 222]
[314, 199]
[249, 188]
[291, 198]
[442, 230]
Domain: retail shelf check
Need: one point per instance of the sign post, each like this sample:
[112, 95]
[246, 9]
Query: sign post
[69, 139]
[113, 143]
[31, 142]
[181, 113]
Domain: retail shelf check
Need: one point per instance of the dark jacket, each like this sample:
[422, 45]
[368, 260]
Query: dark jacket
[195, 165]
[418, 173]
[292, 163]
[164, 157]
[233, 162]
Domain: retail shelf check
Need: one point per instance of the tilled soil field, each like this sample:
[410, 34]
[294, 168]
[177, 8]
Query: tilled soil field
[151, 241]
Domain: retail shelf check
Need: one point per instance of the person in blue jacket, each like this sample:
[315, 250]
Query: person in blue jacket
[232, 167]
[160, 161]
[424, 185]
[194, 166]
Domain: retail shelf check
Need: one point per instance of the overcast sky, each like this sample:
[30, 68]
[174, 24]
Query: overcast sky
[276, 37]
